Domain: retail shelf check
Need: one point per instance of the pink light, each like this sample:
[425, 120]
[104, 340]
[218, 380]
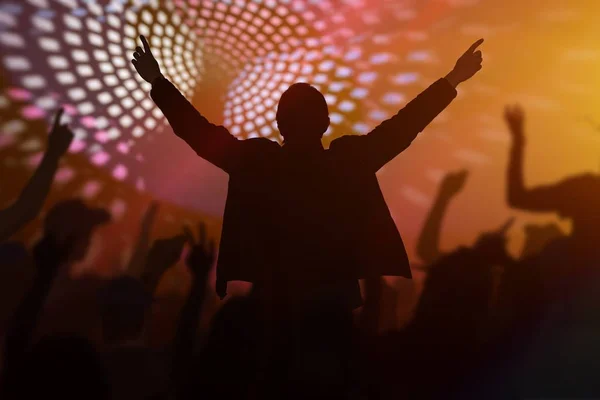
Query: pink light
[88, 122]
[69, 109]
[101, 136]
[120, 172]
[19, 94]
[64, 175]
[77, 146]
[33, 112]
[100, 158]
[123, 147]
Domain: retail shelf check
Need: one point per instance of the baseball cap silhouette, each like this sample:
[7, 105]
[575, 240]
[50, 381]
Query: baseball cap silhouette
[75, 216]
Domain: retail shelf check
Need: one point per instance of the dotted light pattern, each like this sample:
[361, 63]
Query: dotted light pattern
[77, 54]
[347, 49]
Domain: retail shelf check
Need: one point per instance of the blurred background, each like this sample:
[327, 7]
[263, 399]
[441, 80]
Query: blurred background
[233, 59]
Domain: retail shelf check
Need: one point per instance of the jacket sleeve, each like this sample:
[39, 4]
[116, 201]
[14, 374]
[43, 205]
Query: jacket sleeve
[211, 142]
[394, 135]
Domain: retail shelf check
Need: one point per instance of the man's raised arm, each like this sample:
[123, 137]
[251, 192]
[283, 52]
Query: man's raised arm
[393, 136]
[211, 142]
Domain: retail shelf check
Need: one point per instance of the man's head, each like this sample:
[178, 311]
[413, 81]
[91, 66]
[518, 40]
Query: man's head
[73, 220]
[302, 114]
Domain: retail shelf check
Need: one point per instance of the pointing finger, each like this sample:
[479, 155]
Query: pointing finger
[146, 45]
[57, 118]
[474, 46]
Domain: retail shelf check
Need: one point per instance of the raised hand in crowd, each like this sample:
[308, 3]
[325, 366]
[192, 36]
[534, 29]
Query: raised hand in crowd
[492, 245]
[202, 255]
[467, 65]
[163, 254]
[49, 254]
[515, 119]
[145, 63]
[32, 197]
[140, 252]
[200, 261]
[428, 247]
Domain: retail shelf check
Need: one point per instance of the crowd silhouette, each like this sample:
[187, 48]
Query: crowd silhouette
[487, 325]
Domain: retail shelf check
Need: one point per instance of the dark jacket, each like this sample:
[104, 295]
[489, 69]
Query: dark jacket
[312, 218]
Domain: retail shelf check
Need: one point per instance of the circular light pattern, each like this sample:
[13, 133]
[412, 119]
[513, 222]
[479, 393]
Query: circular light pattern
[78, 55]
[259, 48]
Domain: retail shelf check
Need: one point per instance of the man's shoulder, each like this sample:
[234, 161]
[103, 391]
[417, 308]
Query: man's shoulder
[349, 148]
[261, 145]
[345, 142]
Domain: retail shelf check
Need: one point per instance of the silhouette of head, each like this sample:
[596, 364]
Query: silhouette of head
[124, 303]
[72, 220]
[576, 198]
[302, 114]
[538, 236]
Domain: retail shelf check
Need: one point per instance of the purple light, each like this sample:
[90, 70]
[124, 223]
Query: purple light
[88, 122]
[33, 112]
[120, 172]
[19, 94]
[100, 158]
[77, 146]
[102, 136]
[123, 147]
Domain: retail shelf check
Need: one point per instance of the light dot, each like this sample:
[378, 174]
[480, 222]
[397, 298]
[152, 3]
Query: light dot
[367, 77]
[72, 39]
[77, 94]
[19, 94]
[100, 158]
[120, 172]
[346, 106]
[126, 121]
[80, 56]
[361, 128]
[17, 63]
[359, 93]
[393, 98]
[49, 44]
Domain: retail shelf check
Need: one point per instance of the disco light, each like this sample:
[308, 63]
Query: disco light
[77, 53]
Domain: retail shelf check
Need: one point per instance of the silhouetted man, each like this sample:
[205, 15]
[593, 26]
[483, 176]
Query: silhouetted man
[299, 216]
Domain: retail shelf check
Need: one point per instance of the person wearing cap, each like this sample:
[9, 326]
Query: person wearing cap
[73, 220]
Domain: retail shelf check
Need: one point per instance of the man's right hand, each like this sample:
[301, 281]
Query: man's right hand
[145, 63]
[515, 118]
